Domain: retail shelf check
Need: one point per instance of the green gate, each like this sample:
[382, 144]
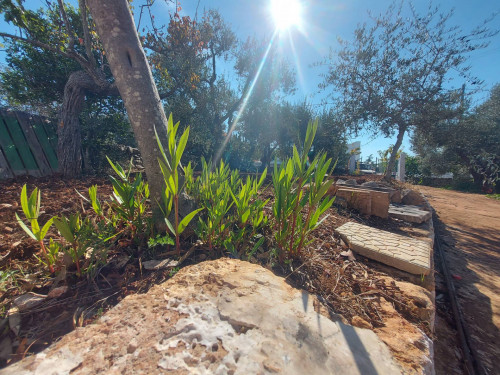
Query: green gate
[28, 145]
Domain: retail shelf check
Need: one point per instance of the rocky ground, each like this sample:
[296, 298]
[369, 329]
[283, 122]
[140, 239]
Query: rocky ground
[360, 291]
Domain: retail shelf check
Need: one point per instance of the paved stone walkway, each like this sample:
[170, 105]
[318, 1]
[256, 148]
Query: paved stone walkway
[404, 253]
[411, 214]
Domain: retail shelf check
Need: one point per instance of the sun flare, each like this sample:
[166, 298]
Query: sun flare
[286, 13]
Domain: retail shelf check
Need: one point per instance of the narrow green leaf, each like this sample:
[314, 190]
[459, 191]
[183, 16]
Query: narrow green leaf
[45, 228]
[162, 150]
[26, 229]
[24, 203]
[117, 168]
[186, 220]
[170, 226]
[35, 228]
[181, 146]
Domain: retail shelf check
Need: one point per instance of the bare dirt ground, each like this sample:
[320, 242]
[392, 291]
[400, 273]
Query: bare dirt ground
[469, 226]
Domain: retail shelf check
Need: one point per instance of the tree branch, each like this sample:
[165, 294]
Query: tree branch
[86, 33]
[36, 43]
[69, 30]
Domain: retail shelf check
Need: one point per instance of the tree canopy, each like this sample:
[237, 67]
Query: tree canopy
[395, 75]
[469, 145]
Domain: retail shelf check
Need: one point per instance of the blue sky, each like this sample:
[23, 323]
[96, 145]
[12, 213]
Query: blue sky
[323, 22]
[326, 20]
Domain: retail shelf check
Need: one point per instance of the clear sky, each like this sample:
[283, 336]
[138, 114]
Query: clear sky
[323, 22]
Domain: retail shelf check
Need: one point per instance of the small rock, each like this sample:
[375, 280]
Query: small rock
[8, 229]
[359, 322]
[5, 348]
[28, 301]
[14, 320]
[120, 261]
[57, 292]
[132, 346]
[202, 256]
[349, 255]
[340, 182]
[158, 264]
[351, 182]
[370, 184]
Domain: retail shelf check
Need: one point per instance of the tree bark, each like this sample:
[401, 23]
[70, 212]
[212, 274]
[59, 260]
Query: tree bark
[128, 63]
[395, 149]
[69, 141]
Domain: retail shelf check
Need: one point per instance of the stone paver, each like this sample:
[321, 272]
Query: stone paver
[404, 253]
[411, 214]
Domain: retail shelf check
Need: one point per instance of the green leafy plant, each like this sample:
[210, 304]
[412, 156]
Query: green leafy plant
[96, 204]
[160, 240]
[213, 192]
[249, 217]
[70, 230]
[31, 209]
[292, 196]
[87, 241]
[52, 256]
[129, 198]
[170, 164]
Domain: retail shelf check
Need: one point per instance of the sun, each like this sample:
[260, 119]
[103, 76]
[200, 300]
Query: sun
[286, 13]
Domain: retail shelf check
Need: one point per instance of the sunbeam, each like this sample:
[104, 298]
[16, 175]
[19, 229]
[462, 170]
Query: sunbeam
[245, 99]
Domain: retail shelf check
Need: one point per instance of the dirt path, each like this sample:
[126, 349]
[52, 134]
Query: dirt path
[469, 226]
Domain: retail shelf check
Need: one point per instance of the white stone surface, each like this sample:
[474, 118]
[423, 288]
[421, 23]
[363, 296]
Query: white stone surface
[218, 317]
[411, 214]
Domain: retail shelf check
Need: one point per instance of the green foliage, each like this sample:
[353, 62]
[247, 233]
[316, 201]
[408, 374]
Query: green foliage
[291, 226]
[129, 198]
[96, 204]
[233, 215]
[412, 169]
[249, 218]
[493, 196]
[31, 209]
[70, 229]
[469, 146]
[170, 164]
[212, 190]
[160, 240]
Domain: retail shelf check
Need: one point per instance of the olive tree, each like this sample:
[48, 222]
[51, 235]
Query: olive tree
[395, 74]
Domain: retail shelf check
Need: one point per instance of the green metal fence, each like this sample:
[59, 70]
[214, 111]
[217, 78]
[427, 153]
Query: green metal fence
[28, 145]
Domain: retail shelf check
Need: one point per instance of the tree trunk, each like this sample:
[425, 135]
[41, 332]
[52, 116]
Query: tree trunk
[395, 149]
[133, 78]
[69, 141]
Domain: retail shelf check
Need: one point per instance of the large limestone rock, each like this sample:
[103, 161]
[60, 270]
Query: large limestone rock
[219, 317]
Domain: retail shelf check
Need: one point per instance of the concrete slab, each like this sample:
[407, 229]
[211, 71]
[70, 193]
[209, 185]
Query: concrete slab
[411, 214]
[404, 253]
